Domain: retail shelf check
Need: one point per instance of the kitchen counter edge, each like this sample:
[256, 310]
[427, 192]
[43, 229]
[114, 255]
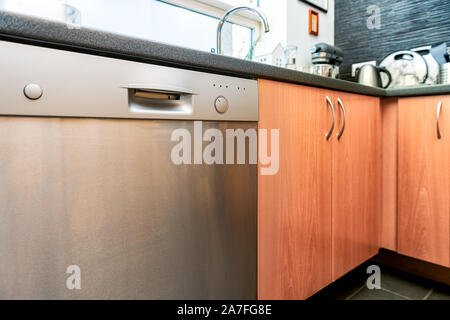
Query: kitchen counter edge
[35, 31]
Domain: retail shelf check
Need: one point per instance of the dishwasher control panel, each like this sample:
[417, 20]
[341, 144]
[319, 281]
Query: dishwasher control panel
[51, 82]
[221, 104]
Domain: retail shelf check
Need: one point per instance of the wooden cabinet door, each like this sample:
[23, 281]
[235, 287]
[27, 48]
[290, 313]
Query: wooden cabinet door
[294, 206]
[424, 179]
[356, 182]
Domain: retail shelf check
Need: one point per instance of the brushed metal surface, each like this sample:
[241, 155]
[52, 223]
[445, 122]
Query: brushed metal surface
[232, 11]
[438, 112]
[341, 105]
[82, 85]
[104, 195]
[328, 136]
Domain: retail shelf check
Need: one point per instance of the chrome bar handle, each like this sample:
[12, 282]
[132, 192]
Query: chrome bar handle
[439, 107]
[343, 111]
[334, 118]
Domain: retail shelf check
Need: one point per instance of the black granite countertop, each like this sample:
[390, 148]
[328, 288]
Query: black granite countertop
[24, 29]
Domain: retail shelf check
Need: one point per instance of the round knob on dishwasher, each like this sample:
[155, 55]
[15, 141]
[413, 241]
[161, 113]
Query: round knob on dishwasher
[32, 91]
[221, 104]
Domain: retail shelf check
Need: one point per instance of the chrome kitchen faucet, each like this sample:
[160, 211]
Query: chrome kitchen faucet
[235, 10]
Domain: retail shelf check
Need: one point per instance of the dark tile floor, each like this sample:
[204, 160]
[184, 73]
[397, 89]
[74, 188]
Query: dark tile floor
[395, 285]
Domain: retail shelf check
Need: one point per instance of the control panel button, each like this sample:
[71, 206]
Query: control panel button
[32, 91]
[221, 104]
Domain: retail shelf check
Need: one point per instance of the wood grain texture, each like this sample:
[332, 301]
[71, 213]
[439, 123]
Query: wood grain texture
[424, 180]
[356, 183]
[294, 206]
[389, 109]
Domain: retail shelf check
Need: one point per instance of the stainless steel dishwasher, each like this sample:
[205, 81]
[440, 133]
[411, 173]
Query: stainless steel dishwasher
[92, 207]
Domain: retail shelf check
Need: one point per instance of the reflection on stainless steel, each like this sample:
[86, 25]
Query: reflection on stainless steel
[341, 104]
[103, 194]
[326, 70]
[334, 118]
[326, 60]
[233, 11]
[101, 87]
[439, 108]
[370, 75]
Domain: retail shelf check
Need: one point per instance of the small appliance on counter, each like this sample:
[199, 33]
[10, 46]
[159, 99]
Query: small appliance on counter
[370, 75]
[426, 65]
[408, 69]
[326, 60]
[432, 63]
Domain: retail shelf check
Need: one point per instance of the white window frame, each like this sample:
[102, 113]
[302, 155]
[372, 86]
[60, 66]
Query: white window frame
[217, 8]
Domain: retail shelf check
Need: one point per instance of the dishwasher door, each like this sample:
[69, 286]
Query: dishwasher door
[103, 195]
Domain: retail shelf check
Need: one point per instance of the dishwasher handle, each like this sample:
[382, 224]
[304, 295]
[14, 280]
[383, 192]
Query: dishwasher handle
[160, 88]
[160, 99]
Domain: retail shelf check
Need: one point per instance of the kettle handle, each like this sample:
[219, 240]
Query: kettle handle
[357, 73]
[386, 71]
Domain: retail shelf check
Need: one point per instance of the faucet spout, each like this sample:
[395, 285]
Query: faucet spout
[234, 10]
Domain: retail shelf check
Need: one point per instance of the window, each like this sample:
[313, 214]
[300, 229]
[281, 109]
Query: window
[186, 23]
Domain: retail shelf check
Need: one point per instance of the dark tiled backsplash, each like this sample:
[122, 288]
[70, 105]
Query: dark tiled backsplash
[404, 24]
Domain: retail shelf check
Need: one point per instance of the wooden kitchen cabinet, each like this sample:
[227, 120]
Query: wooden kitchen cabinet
[294, 206]
[424, 179]
[319, 216]
[356, 182]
